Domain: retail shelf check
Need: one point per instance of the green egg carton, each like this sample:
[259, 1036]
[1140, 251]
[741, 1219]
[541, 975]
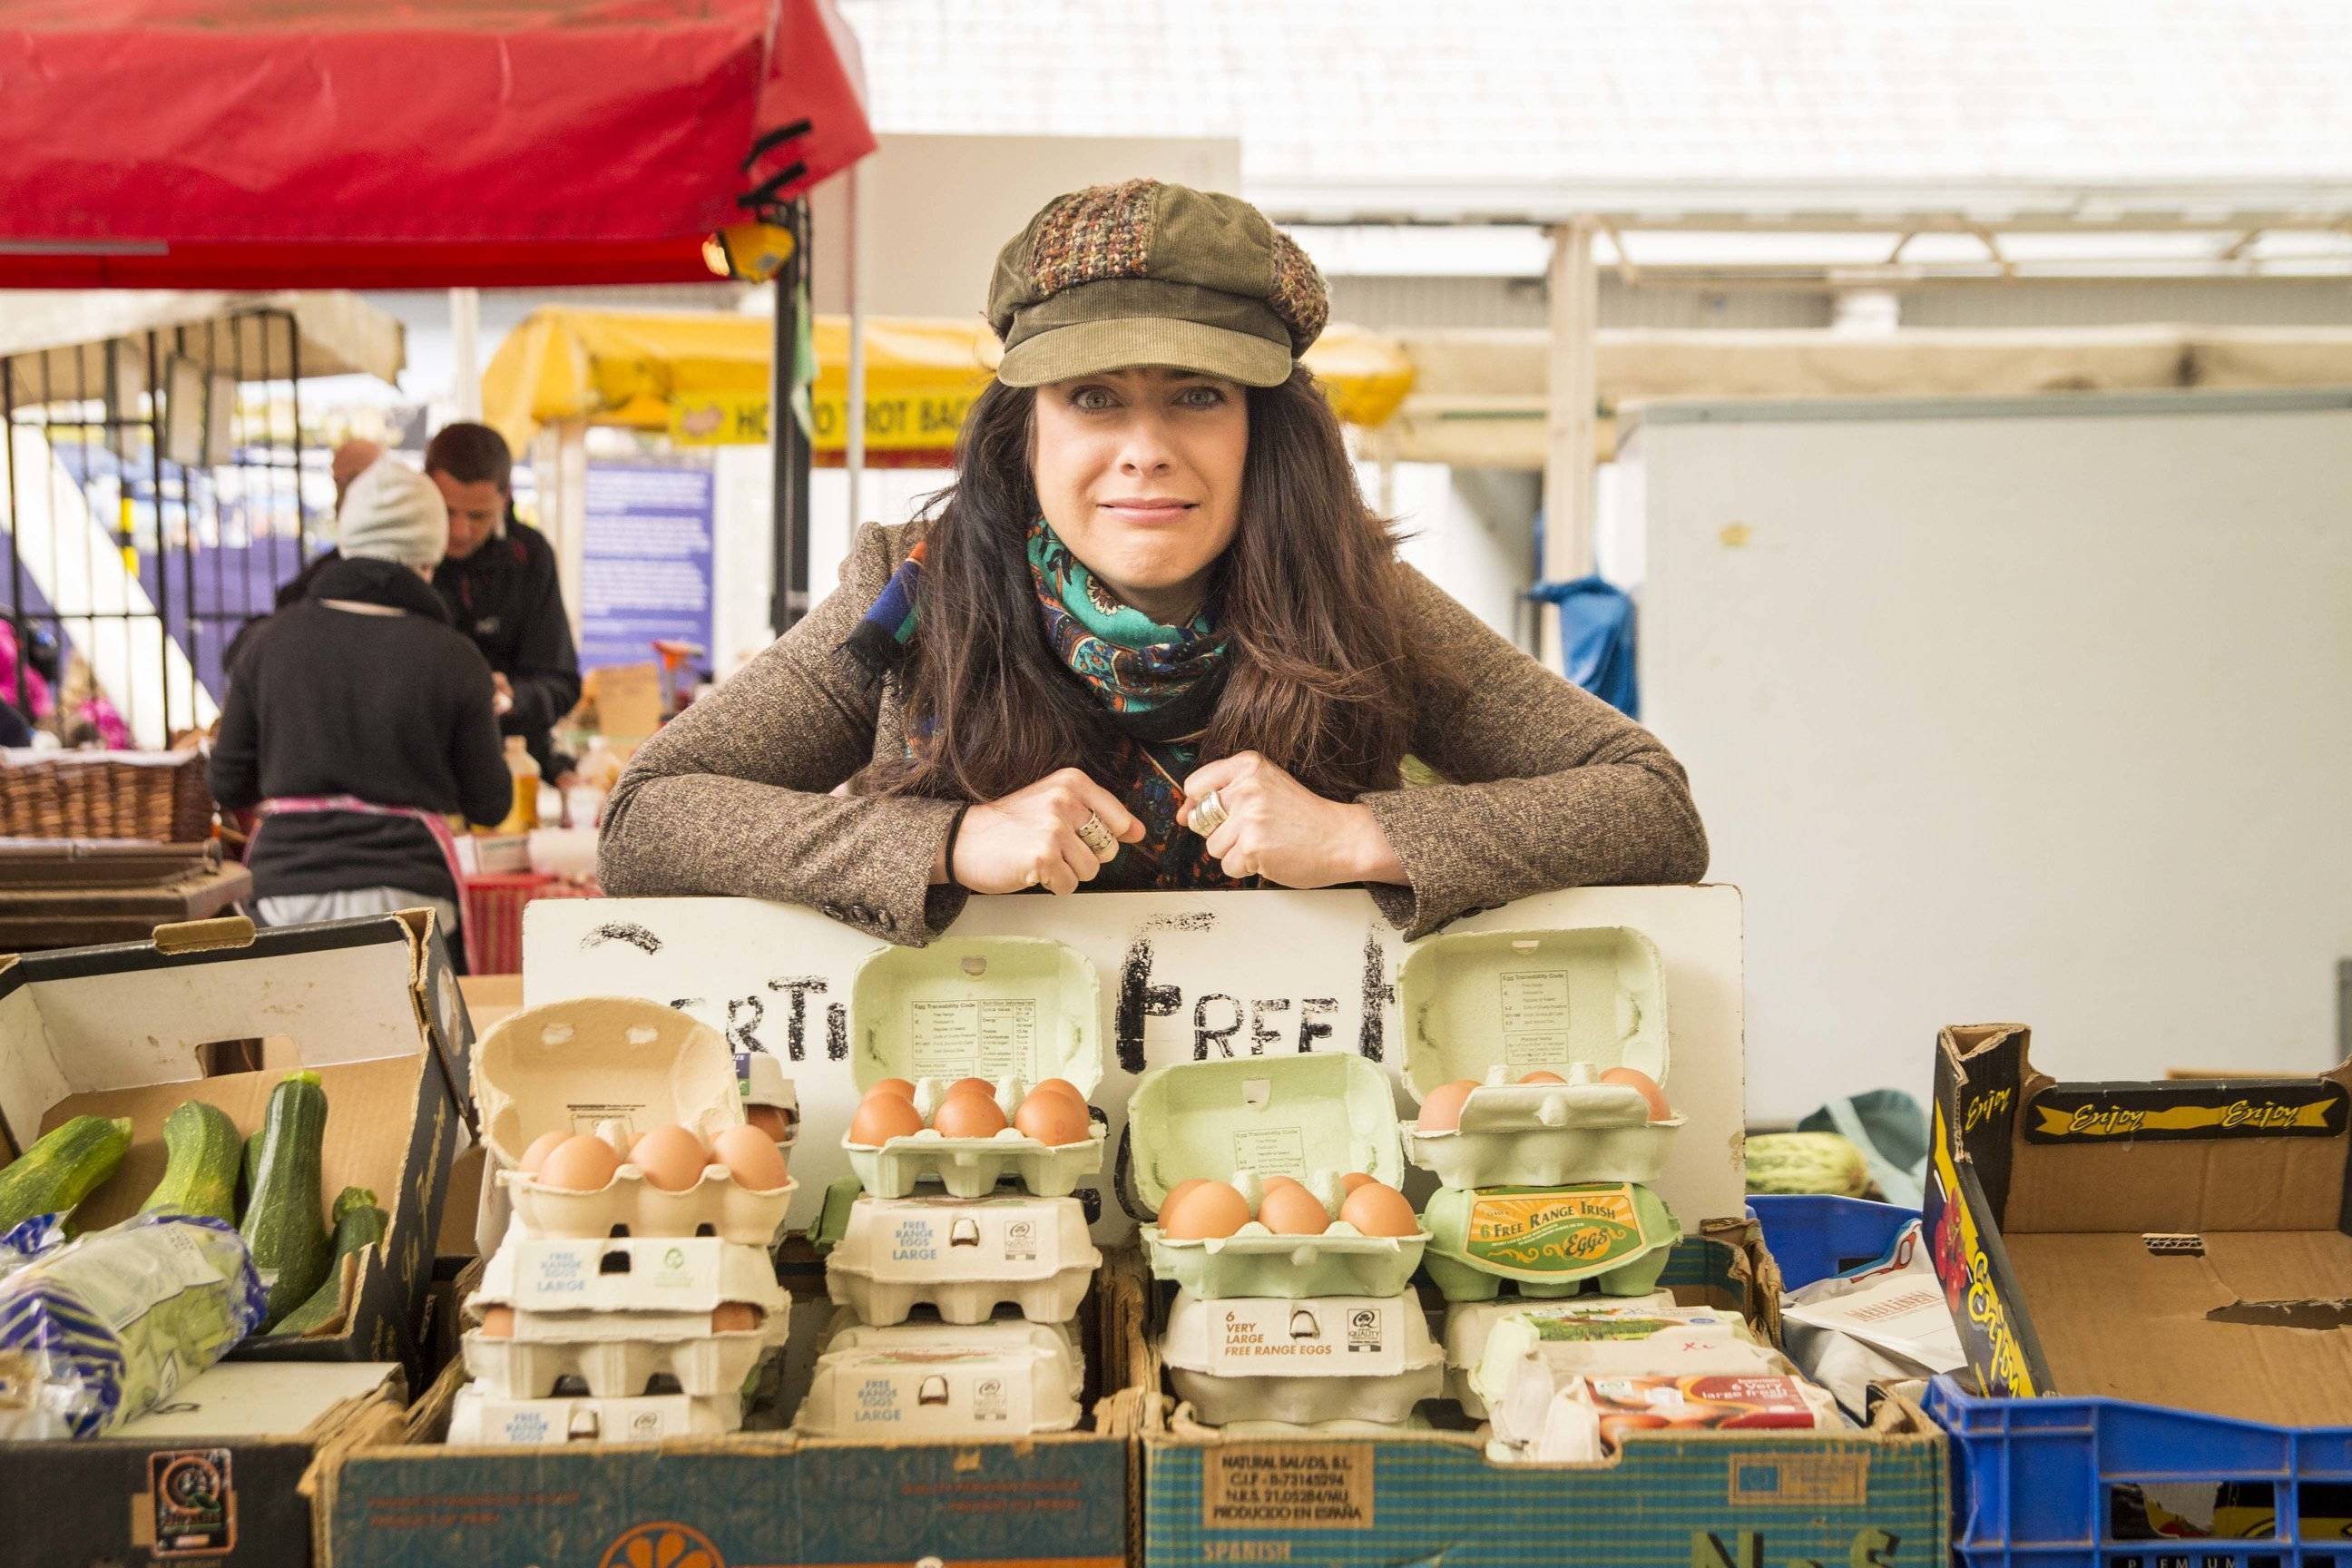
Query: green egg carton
[1547, 1241]
[1314, 1118]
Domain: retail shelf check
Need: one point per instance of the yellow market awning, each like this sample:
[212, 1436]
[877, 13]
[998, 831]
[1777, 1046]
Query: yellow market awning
[702, 377]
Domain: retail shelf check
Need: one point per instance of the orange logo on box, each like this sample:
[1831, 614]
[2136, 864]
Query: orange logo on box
[662, 1545]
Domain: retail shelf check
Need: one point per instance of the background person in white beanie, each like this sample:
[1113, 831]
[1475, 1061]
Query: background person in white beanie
[360, 719]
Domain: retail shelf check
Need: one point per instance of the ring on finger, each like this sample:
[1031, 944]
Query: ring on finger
[1208, 816]
[1096, 837]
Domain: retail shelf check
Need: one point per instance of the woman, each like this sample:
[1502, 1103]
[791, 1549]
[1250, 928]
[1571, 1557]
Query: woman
[358, 719]
[1151, 638]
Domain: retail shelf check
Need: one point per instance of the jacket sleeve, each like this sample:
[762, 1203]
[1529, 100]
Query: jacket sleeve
[732, 796]
[546, 674]
[233, 773]
[477, 755]
[1546, 785]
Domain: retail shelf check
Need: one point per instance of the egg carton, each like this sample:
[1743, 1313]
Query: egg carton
[1304, 1362]
[1257, 1262]
[1009, 1388]
[628, 1273]
[761, 1079]
[844, 1332]
[617, 1356]
[1469, 1324]
[1546, 1135]
[1525, 1367]
[630, 1206]
[1546, 1242]
[974, 1167]
[962, 1256]
[1592, 1415]
[478, 1416]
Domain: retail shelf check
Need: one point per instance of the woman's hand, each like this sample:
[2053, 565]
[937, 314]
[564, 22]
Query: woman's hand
[1277, 828]
[1030, 838]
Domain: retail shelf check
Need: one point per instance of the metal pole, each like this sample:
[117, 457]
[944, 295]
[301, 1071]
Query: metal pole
[1569, 434]
[787, 444]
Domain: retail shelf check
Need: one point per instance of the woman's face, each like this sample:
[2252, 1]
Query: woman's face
[1140, 472]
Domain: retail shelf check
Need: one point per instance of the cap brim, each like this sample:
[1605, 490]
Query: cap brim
[1091, 348]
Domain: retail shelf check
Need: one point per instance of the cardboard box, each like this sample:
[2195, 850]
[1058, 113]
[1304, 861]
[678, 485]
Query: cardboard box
[2186, 1244]
[369, 1005]
[214, 1476]
[1063, 1499]
[1717, 1499]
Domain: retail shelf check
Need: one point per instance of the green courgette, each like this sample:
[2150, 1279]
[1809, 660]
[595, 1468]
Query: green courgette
[282, 1227]
[202, 1151]
[251, 1169]
[359, 1225]
[62, 1168]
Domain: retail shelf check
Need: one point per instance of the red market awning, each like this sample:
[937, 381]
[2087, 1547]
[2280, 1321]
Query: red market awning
[416, 143]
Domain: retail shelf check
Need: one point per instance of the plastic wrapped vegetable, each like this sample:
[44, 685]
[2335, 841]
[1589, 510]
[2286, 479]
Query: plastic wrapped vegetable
[112, 1323]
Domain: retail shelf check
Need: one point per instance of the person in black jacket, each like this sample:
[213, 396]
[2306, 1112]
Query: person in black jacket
[359, 719]
[499, 583]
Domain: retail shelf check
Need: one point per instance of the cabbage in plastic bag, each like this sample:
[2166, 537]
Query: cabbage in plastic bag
[98, 1330]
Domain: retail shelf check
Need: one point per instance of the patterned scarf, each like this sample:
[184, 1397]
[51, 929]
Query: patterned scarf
[1158, 683]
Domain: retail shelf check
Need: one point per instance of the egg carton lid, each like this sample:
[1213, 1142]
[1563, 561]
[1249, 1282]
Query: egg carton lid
[1511, 1002]
[1013, 1010]
[571, 1066]
[1315, 1336]
[760, 1077]
[1314, 1116]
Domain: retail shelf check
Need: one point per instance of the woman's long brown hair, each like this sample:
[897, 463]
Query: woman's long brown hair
[1310, 596]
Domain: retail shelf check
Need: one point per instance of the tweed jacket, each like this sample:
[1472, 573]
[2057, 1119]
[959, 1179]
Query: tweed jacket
[1545, 785]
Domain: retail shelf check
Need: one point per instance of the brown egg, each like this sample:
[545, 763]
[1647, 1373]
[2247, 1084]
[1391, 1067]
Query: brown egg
[979, 1085]
[1635, 1078]
[1060, 1086]
[671, 1156]
[583, 1163]
[1267, 1183]
[541, 1147]
[882, 1116]
[498, 1323]
[734, 1318]
[1050, 1118]
[1442, 1111]
[772, 1119]
[1291, 1210]
[1176, 1194]
[1540, 1075]
[1352, 1180]
[1378, 1209]
[968, 1115]
[897, 1086]
[1211, 1210]
[752, 1157]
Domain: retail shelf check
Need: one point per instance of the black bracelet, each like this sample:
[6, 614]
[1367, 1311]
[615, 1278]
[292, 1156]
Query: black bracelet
[947, 857]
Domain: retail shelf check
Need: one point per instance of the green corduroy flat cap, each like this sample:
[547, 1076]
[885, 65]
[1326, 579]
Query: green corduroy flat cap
[1148, 273]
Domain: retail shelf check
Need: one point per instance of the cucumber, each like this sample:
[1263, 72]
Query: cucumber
[62, 1168]
[359, 1225]
[282, 1227]
[202, 1151]
[251, 1169]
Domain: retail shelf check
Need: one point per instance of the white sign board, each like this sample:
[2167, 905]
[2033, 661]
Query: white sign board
[1185, 976]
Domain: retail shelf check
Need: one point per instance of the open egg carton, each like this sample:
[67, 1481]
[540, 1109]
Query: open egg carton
[963, 1257]
[1470, 1324]
[1302, 1361]
[1323, 1122]
[1005, 1377]
[618, 1355]
[612, 1116]
[1011, 1013]
[1536, 1355]
[1539, 1057]
[1548, 1242]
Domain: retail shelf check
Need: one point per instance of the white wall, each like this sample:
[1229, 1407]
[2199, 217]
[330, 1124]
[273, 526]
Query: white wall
[2015, 711]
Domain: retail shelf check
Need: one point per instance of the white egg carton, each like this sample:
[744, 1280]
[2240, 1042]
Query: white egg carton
[1360, 1358]
[1009, 1388]
[962, 1256]
[618, 1354]
[761, 1079]
[973, 1167]
[478, 1417]
[628, 1273]
[1469, 1324]
[1522, 1371]
[844, 1333]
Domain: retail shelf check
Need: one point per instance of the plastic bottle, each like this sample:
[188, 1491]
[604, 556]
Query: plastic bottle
[525, 814]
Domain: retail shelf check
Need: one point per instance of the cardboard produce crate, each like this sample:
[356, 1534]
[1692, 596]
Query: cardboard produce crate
[1068, 1500]
[220, 1012]
[1875, 1498]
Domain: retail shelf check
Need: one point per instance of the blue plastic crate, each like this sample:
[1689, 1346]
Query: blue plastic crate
[1813, 1238]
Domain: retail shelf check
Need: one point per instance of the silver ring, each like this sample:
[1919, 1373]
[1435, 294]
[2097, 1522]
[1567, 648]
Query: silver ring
[1208, 816]
[1096, 837]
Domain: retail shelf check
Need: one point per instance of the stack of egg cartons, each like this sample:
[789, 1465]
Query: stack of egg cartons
[958, 1256]
[1280, 1223]
[633, 1296]
[1538, 1059]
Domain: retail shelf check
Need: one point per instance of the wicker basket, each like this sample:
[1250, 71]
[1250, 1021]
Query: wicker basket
[158, 795]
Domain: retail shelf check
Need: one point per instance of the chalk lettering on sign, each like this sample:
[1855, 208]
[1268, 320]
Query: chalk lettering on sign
[1203, 1035]
[1309, 1009]
[836, 1032]
[744, 1017]
[636, 936]
[1378, 994]
[799, 988]
[1260, 1036]
[1139, 1001]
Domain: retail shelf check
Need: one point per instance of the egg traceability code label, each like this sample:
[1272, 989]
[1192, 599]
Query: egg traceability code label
[1271, 1151]
[1534, 1017]
[1329, 1336]
[992, 1037]
[1295, 1486]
